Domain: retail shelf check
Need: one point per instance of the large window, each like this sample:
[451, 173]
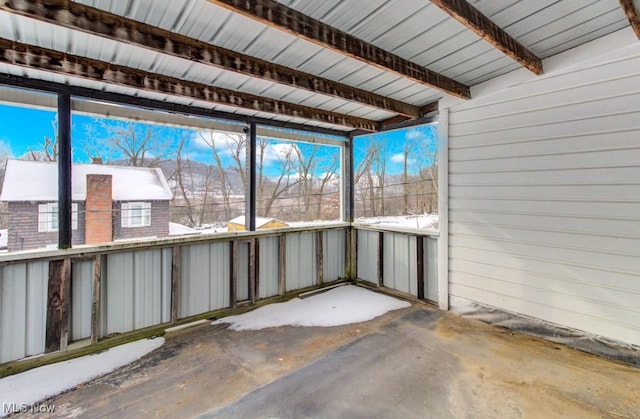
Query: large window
[138, 173]
[395, 177]
[48, 217]
[136, 214]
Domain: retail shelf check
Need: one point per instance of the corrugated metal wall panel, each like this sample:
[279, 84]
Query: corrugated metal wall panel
[243, 271]
[400, 262]
[368, 255]
[204, 278]
[167, 258]
[334, 254]
[431, 268]
[81, 299]
[268, 266]
[300, 263]
[132, 290]
[544, 207]
[23, 307]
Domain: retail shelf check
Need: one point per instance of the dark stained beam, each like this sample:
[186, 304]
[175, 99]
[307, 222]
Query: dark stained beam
[158, 105]
[631, 10]
[428, 108]
[94, 21]
[471, 17]
[34, 57]
[274, 14]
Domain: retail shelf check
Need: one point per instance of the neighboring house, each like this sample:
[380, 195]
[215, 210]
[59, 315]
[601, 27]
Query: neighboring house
[262, 223]
[109, 203]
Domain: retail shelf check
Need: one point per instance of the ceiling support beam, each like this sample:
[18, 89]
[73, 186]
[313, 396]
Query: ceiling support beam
[277, 15]
[631, 9]
[38, 58]
[218, 120]
[77, 16]
[471, 17]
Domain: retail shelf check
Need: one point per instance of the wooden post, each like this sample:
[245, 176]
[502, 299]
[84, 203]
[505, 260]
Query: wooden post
[320, 257]
[95, 305]
[175, 283]
[282, 265]
[233, 288]
[352, 251]
[380, 259]
[58, 294]
[420, 266]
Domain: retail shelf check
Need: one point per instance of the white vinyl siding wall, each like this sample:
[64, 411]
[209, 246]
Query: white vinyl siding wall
[544, 194]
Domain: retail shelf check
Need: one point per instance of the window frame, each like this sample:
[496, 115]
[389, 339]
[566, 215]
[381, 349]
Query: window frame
[48, 213]
[127, 216]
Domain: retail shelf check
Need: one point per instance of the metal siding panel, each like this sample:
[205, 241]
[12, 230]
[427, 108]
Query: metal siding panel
[544, 210]
[119, 293]
[167, 272]
[268, 267]
[194, 279]
[300, 261]
[81, 299]
[368, 256]
[13, 322]
[220, 275]
[147, 290]
[334, 254]
[431, 268]
[243, 272]
[37, 281]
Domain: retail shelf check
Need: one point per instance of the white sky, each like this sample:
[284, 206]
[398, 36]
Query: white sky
[338, 306]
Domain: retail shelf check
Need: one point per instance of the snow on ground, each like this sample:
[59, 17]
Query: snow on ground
[32, 386]
[422, 221]
[338, 306]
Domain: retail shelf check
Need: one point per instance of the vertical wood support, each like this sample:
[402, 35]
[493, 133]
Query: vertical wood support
[320, 257]
[250, 211]
[420, 266]
[64, 171]
[175, 282]
[282, 265]
[252, 269]
[95, 304]
[58, 294]
[346, 183]
[351, 241]
[380, 259]
[233, 285]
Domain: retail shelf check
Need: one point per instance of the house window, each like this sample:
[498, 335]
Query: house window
[136, 214]
[48, 217]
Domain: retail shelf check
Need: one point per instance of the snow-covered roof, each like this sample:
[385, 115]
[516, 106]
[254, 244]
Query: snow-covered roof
[260, 221]
[38, 181]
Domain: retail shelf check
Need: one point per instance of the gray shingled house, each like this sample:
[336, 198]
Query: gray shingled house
[109, 203]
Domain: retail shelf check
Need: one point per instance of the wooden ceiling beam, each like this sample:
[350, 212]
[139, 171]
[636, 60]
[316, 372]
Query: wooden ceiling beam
[77, 16]
[631, 9]
[277, 15]
[473, 19]
[34, 57]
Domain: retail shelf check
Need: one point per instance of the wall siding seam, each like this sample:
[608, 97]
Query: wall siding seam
[587, 315]
[521, 287]
[546, 260]
[543, 275]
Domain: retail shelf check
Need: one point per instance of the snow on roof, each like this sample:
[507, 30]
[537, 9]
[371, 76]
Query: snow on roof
[260, 221]
[38, 181]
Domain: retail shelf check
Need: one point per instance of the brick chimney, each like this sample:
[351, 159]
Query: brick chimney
[99, 210]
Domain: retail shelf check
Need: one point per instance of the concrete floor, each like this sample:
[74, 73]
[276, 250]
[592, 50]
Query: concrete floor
[416, 362]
